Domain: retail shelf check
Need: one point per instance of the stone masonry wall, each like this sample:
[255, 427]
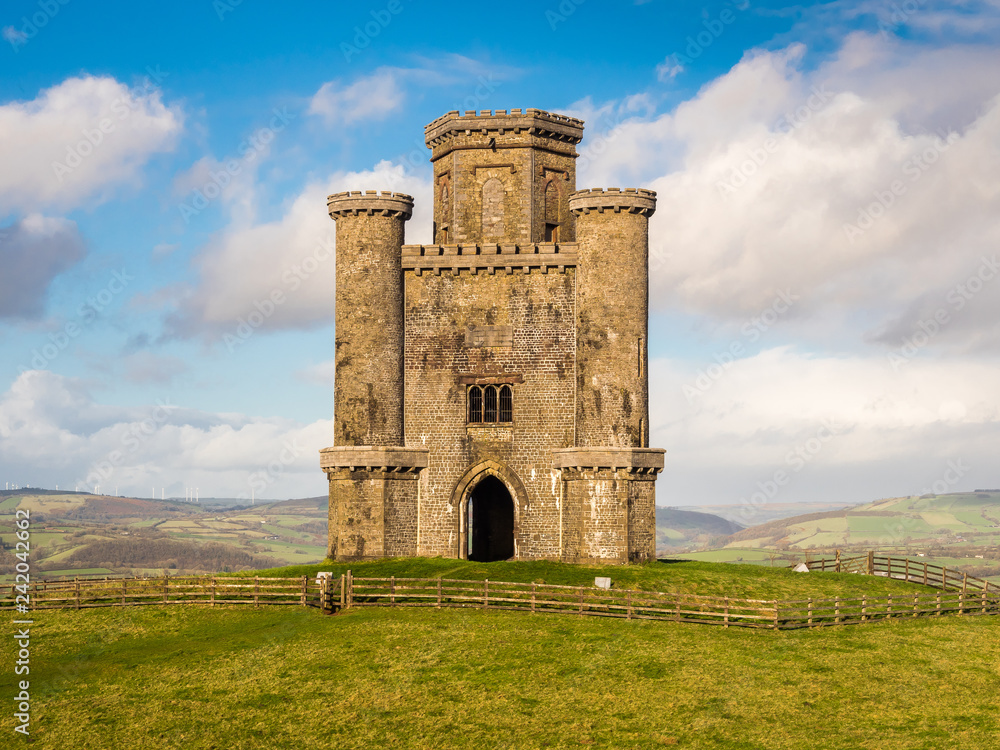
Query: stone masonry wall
[612, 300]
[368, 397]
[439, 311]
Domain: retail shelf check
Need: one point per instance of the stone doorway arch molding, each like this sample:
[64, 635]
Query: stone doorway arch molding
[463, 490]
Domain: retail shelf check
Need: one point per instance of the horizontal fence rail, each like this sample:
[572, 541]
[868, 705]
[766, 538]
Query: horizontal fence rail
[121, 592]
[904, 569]
[959, 594]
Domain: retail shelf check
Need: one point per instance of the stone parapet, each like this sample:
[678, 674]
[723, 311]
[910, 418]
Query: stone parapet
[630, 200]
[640, 460]
[370, 202]
[501, 121]
[542, 256]
[368, 457]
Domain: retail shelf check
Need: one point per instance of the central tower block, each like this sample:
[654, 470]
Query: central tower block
[503, 177]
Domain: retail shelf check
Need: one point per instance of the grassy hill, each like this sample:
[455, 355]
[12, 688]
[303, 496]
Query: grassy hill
[960, 530]
[289, 677]
[686, 529]
[73, 532]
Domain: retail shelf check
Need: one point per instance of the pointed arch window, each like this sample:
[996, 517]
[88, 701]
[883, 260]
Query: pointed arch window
[475, 404]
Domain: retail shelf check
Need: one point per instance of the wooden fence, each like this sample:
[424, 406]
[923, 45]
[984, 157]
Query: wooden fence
[959, 594]
[648, 605]
[904, 569]
[119, 592]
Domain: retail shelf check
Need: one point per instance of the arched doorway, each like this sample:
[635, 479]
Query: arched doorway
[490, 521]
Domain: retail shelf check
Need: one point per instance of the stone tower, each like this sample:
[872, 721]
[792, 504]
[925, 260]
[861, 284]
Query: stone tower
[491, 395]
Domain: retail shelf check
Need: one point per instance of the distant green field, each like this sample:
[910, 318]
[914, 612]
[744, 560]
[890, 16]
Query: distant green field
[289, 677]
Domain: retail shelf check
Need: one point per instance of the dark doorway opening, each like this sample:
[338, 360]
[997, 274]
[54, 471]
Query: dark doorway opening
[490, 521]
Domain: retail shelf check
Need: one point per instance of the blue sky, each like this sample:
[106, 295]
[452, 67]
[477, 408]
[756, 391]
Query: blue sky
[827, 182]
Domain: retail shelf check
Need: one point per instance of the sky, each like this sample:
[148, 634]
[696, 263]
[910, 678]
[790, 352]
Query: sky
[824, 302]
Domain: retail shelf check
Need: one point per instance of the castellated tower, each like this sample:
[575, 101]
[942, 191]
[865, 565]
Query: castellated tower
[372, 475]
[491, 396]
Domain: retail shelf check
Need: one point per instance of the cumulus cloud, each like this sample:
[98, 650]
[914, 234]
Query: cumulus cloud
[78, 139]
[368, 98]
[842, 428]
[863, 185]
[281, 272]
[53, 432]
[33, 251]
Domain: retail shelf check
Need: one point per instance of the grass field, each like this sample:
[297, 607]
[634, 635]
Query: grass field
[194, 677]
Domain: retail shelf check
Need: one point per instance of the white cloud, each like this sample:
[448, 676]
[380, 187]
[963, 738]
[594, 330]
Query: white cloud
[861, 428]
[762, 175]
[53, 432]
[33, 251]
[77, 140]
[369, 98]
[293, 256]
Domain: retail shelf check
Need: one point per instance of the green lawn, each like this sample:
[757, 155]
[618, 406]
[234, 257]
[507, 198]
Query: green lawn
[684, 576]
[289, 677]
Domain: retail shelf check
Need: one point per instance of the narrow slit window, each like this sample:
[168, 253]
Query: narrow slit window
[506, 405]
[490, 404]
[475, 404]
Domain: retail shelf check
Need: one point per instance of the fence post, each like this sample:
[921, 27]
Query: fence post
[916, 601]
[961, 602]
[837, 569]
[124, 587]
[77, 580]
[984, 602]
[392, 591]
[939, 603]
[925, 572]
[775, 624]
[343, 583]
[305, 588]
[581, 600]
[534, 586]
[166, 586]
[439, 594]
[888, 608]
[628, 603]
[965, 581]
[350, 588]
[725, 617]
[323, 586]
[810, 611]
[256, 591]
[486, 593]
[864, 607]
[213, 591]
[836, 609]
[871, 562]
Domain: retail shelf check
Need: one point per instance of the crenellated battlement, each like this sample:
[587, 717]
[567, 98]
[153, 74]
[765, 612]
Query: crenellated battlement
[370, 202]
[631, 200]
[522, 124]
[541, 256]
